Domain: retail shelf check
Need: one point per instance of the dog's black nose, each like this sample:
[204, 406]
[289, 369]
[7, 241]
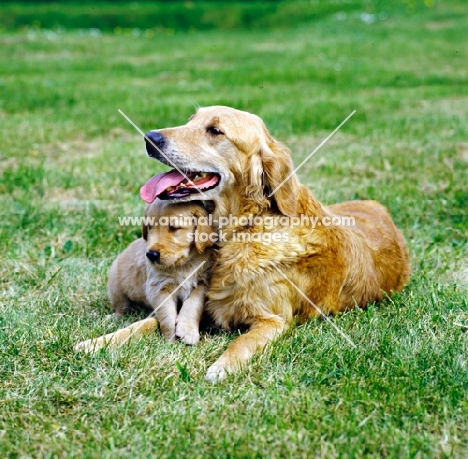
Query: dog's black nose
[154, 257]
[154, 142]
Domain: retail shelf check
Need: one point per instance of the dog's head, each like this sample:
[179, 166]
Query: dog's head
[176, 232]
[220, 153]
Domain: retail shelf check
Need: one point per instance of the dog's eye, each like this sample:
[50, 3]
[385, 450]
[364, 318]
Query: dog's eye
[173, 229]
[213, 130]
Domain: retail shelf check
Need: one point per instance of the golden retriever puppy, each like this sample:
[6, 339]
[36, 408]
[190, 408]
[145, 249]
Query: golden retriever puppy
[281, 252]
[166, 270]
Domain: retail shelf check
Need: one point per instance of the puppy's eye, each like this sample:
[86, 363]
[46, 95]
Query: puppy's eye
[213, 130]
[149, 227]
[173, 229]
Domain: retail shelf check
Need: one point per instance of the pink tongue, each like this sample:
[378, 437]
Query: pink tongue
[157, 184]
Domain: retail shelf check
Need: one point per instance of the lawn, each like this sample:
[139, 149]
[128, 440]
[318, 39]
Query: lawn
[71, 165]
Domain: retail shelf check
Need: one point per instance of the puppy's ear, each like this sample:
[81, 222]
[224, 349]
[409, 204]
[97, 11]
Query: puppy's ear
[144, 225]
[209, 206]
[204, 236]
[279, 176]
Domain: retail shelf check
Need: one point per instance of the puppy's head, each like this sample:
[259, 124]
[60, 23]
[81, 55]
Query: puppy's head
[224, 153]
[176, 232]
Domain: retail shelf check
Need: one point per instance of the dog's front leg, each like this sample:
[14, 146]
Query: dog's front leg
[116, 339]
[165, 310]
[188, 320]
[242, 349]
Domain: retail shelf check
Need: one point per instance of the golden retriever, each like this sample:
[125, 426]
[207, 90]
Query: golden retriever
[155, 271]
[294, 258]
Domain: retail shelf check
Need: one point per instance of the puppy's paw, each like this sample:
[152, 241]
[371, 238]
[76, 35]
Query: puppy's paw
[90, 345]
[216, 373]
[170, 339]
[187, 333]
[169, 335]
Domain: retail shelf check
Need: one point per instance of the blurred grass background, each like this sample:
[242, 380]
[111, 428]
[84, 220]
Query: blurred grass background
[70, 165]
[194, 15]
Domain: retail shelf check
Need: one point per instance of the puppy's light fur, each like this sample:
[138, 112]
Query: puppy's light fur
[336, 267]
[166, 285]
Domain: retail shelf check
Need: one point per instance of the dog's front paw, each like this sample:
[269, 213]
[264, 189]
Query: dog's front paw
[216, 373]
[169, 335]
[90, 345]
[187, 333]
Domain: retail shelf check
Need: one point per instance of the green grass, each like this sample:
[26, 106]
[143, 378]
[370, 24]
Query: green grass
[71, 165]
[146, 16]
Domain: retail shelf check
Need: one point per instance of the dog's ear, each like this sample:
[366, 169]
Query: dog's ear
[144, 225]
[255, 186]
[204, 234]
[279, 176]
[144, 231]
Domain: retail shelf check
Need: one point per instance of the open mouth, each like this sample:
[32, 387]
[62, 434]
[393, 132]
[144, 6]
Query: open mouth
[174, 185]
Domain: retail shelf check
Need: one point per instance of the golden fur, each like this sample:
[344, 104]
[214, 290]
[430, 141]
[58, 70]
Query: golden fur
[335, 266]
[162, 286]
